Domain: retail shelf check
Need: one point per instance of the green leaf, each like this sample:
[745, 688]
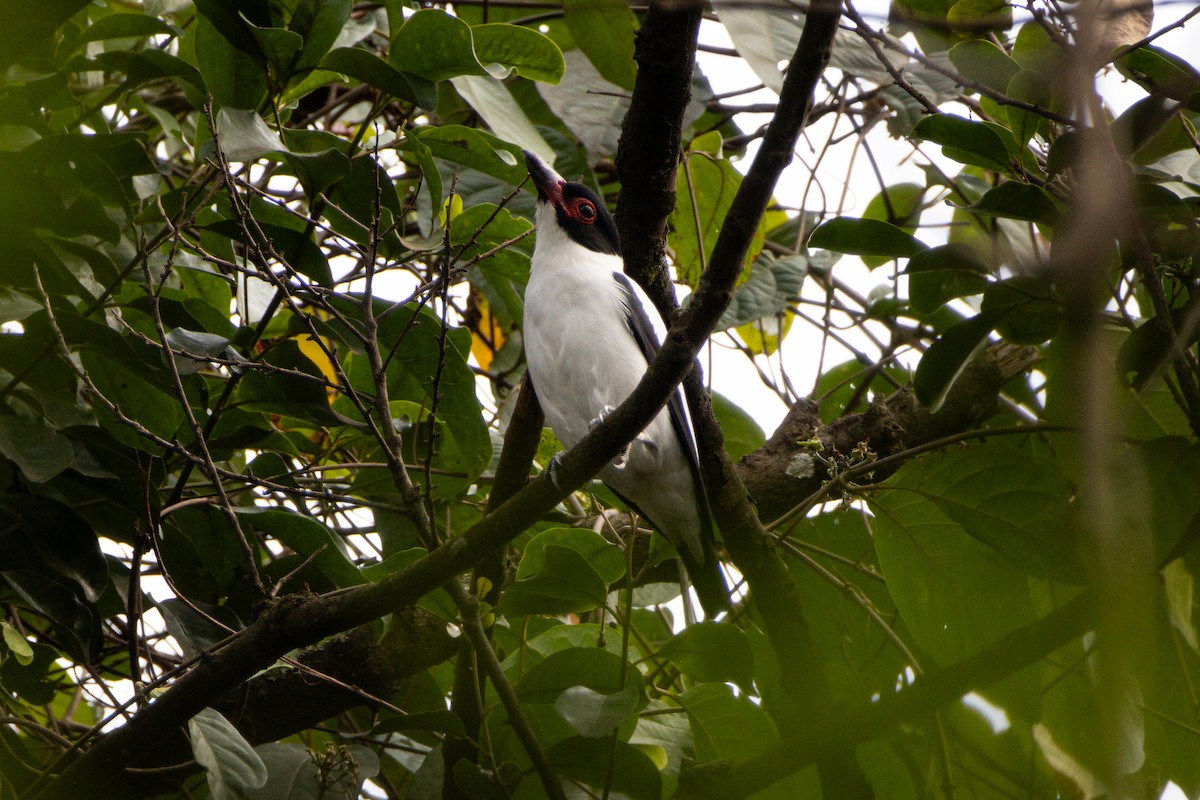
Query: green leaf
[76, 624]
[1031, 88]
[320, 23]
[279, 45]
[40, 452]
[1160, 72]
[309, 539]
[604, 30]
[137, 399]
[742, 433]
[29, 24]
[954, 593]
[435, 46]
[712, 652]
[17, 644]
[120, 26]
[528, 53]
[234, 77]
[965, 141]
[562, 583]
[943, 273]
[978, 17]
[1024, 309]
[230, 761]
[1015, 502]
[704, 191]
[365, 66]
[1016, 200]
[597, 669]
[294, 774]
[865, 237]
[593, 714]
[984, 62]
[733, 728]
[946, 358]
[502, 114]
[632, 773]
[244, 135]
[1034, 49]
[475, 149]
[602, 555]
[773, 286]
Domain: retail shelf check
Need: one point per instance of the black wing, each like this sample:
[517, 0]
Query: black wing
[638, 321]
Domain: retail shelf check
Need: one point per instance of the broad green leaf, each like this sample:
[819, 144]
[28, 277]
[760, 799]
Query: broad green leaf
[943, 273]
[293, 773]
[588, 105]
[435, 46]
[865, 237]
[1016, 200]
[729, 727]
[712, 652]
[586, 760]
[562, 583]
[17, 644]
[320, 22]
[1160, 72]
[279, 46]
[965, 141]
[858, 653]
[978, 17]
[136, 399]
[597, 669]
[704, 191]
[1024, 308]
[30, 24]
[188, 349]
[76, 624]
[1034, 49]
[1015, 502]
[1030, 87]
[235, 78]
[602, 555]
[955, 594]
[593, 714]
[742, 433]
[244, 135]
[308, 539]
[947, 357]
[604, 30]
[476, 149]
[984, 62]
[40, 452]
[501, 112]
[230, 761]
[120, 26]
[527, 52]
[365, 66]
[773, 286]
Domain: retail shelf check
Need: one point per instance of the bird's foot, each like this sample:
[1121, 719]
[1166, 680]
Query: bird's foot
[619, 463]
[604, 412]
[552, 468]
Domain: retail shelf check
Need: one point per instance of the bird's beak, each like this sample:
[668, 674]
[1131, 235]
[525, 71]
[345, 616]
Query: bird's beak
[548, 182]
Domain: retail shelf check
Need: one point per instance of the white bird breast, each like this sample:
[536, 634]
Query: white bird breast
[582, 357]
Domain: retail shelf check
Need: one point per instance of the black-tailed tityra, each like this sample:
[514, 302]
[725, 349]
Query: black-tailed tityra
[590, 332]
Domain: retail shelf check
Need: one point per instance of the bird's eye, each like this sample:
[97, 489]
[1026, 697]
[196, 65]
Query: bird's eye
[586, 211]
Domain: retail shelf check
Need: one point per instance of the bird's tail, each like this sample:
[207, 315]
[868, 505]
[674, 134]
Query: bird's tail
[707, 579]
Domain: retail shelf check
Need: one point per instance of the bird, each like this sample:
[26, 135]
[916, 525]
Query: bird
[590, 332]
